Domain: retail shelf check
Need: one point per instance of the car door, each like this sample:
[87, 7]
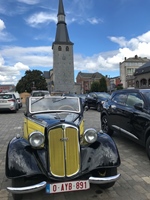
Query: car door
[137, 118]
[115, 111]
[132, 120]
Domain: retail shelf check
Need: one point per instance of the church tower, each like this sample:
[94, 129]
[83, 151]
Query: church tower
[63, 61]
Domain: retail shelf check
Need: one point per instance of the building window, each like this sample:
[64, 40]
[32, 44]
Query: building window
[143, 82]
[59, 48]
[67, 48]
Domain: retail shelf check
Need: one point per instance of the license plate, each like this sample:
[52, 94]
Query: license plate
[2, 101]
[67, 186]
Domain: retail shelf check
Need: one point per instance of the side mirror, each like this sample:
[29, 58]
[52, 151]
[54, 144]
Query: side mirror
[138, 106]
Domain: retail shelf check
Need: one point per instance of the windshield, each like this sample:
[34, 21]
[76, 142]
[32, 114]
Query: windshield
[5, 96]
[51, 103]
[104, 95]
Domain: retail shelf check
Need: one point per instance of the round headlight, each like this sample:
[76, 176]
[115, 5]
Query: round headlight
[36, 139]
[90, 135]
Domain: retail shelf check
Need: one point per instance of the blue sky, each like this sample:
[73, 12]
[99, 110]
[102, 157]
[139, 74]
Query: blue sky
[103, 33]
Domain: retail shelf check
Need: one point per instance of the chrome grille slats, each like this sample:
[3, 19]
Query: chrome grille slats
[64, 150]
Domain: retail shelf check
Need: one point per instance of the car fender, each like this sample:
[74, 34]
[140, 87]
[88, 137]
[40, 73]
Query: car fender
[100, 154]
[20, 161]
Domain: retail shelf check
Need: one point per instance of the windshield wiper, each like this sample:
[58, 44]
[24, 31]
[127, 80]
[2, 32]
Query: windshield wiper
[37, 100]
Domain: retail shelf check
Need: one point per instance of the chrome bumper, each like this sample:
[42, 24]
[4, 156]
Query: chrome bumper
[104, 180]
[42, 185]
[28, 189]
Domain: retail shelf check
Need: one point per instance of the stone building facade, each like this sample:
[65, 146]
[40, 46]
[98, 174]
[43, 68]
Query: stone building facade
[63, 60]
[127, 70]
[142, 76]
[86, 79]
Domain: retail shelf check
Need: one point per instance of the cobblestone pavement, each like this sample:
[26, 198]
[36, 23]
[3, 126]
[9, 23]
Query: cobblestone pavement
[134, 183]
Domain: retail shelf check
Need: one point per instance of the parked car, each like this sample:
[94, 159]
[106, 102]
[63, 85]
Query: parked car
[56, 152]
[128, 112]
[17, 95]
[83, 98]
[8, 102]
[96, 99]
[39, 93]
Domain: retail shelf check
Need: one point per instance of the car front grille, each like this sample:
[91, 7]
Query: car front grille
[64, 150]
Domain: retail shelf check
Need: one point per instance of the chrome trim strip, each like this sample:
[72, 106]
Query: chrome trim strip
[124, 131]
[104, 180]
[27, 189]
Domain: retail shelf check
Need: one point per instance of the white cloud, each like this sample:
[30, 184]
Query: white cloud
[30, 56]
[4, 36]
[30, 2]
[94, 20]
[40, 18]
[22, 59]
[2, 25]
[37, 57]
[108, 62]
[21, 66]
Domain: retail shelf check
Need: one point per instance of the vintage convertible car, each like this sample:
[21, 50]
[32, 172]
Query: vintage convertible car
[56, 153]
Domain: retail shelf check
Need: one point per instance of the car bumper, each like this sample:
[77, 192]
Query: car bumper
[42, 185]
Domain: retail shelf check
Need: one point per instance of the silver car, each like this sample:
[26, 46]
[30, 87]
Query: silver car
[8, 102]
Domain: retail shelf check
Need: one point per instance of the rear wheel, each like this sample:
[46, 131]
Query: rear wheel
[104, 125]
[148, 147]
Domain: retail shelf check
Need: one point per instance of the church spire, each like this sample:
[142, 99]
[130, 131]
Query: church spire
[62, 35]
[61, 8]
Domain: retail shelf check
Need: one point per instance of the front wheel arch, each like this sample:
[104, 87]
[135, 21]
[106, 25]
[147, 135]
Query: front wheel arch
[104, 125]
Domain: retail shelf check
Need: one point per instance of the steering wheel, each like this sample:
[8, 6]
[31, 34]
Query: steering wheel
[66, 107]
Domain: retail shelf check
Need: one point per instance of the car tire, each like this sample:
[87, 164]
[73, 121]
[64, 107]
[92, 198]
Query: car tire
[14, 111]
[17, 183]
[105, 127]
[148, 147]
[106, 173]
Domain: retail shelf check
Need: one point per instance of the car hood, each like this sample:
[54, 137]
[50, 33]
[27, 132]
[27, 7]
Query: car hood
[50, 119]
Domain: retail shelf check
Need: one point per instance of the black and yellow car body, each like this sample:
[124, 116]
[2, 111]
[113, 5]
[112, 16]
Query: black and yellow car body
[56, 148]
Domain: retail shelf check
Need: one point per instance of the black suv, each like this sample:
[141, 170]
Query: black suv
[96, 99]
[128, 112]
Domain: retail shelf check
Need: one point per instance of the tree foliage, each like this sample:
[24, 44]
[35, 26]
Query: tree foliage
[119, 87]
[103, 85]
[32, 80]
[95, 86]
[99, 86]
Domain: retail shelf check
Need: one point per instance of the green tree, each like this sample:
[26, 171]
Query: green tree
[32, 80]
[102, 85]
[95, 86]
[119, 87]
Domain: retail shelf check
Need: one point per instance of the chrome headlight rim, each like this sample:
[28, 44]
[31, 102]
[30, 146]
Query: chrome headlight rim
[90, 135]
[36, 139]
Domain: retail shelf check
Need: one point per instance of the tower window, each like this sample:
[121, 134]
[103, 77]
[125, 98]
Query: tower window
[59, 48]
[67, 48]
